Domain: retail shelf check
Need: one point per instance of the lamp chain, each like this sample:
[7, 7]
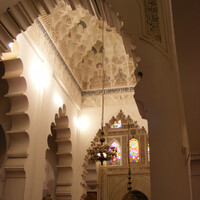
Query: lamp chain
[101, 151]
[103, 77]
[129, 165]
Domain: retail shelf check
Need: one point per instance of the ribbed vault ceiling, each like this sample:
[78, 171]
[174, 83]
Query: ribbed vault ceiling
[77, 36]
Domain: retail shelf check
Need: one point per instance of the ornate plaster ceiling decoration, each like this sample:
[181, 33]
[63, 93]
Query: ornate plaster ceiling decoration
[78, 37]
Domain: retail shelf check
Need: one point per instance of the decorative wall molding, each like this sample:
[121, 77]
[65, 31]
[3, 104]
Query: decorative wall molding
[112, 99]
[108, 91]
[61, 130]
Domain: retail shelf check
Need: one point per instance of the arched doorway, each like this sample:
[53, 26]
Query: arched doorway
[2, 159]
[135, 195]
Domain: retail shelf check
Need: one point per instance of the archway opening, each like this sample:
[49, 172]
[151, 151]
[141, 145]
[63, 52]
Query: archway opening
[2, 159]
[135, 195]
[2, 146]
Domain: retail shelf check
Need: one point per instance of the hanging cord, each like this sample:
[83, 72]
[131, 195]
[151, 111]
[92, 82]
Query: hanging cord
[129, 165]
[103, 77]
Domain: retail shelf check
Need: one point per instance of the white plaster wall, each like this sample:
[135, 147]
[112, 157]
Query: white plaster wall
[41, 111]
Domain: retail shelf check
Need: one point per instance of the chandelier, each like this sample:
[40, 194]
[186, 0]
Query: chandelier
[100, 151]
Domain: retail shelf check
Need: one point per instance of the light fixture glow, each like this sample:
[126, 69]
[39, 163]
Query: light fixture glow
[81, 123]
[11, 45]
[14, 51]
[57, 100]
[76, 121]
[40, 74]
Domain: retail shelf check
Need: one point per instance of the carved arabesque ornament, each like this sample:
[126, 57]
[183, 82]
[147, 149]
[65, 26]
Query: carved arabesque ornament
[153, 26]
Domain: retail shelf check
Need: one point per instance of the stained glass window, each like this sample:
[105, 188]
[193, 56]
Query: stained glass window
[115, 160]
[116, 124]
[134, 150]
[148, 151]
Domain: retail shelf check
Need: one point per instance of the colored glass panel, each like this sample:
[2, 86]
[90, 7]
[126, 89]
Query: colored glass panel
[134, 151]
[115, 160]
[148, 151]
[117, 124]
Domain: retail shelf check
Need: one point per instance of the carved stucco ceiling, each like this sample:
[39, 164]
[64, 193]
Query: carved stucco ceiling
[78, 37]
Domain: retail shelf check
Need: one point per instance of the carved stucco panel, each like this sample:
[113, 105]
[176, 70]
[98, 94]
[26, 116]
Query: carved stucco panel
[116, 184]
[153, 27]
[125, 150]
[110, 140]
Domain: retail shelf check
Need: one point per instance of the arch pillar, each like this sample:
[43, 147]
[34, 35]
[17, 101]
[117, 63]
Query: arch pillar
[16, 131]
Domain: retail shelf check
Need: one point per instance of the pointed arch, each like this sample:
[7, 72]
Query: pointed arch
[115, 160]
[134, 150]
[148, 153]
[116, 124]
[135, 194]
